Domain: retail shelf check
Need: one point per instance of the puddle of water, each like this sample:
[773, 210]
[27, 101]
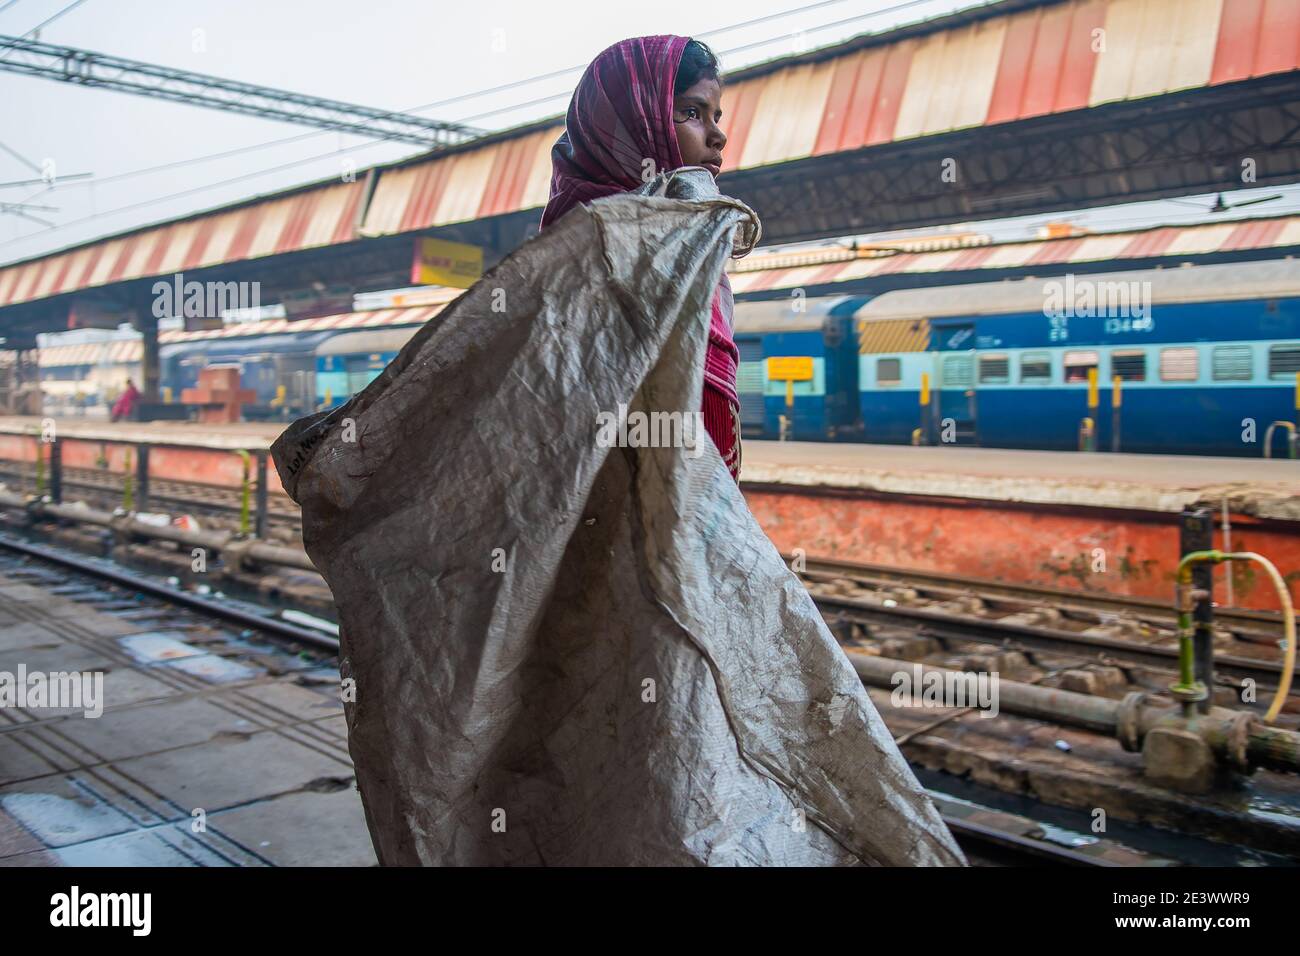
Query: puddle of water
[59, 820]
[214, 669]
[156, 646]
[129, 849]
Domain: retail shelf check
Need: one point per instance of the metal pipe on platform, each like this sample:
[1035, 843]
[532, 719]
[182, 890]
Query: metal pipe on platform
[1237, 738]
[280, 555]
[1045, 703]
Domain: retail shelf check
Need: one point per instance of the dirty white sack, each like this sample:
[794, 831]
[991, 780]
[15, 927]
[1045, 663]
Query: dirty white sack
[565, 653]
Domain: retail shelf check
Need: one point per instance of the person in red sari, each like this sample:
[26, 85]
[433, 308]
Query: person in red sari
[124, 407]
[645, 106]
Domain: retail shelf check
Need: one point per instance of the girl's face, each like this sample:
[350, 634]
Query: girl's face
[696, 112]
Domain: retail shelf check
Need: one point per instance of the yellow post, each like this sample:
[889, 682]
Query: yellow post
[167, 394]
[919, 436]
[329, 398]
[786, 422]
[1092, 389]
[1115, 399]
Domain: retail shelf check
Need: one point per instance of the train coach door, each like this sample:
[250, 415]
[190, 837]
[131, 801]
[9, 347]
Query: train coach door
[751, 385]
[955, 408]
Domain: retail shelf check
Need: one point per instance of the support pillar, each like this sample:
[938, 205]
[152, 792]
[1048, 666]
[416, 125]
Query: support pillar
[150, 372]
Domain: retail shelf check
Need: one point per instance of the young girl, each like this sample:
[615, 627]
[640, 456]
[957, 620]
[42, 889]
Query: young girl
[642, 107]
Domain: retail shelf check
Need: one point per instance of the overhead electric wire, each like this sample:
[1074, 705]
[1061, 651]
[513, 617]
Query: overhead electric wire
[299, 137]
[46, 22]
[906, 4]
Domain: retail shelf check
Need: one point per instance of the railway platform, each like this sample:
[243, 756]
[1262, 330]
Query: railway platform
[1095, 522]
[178, 451]
[210, 748]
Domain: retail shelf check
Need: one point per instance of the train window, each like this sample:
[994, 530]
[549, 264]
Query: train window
[995, 370]
[1077, 365]
[889, 371]
[1129, 364]
[1232, 363]
[1179, 365]
[1035, 367]
[1284, 360]
[957, 371]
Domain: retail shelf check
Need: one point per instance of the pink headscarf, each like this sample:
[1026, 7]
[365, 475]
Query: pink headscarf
[621, 116]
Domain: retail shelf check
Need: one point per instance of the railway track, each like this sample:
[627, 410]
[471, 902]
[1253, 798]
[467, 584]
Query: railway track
[941, 586]
[106, 586]
[989, 838]
[1126, 632]
[1030, 634]
[1123, 630]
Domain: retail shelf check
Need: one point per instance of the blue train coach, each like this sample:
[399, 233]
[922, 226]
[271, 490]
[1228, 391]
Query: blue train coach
[1205, 358]
[798, 361]
[349, 361]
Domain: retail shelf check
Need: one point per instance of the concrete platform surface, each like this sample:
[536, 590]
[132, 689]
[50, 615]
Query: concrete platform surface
[1161, 483]
[249, 436]
[211, 750]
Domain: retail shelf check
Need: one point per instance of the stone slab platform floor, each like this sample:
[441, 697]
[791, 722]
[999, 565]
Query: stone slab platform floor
[258, 745]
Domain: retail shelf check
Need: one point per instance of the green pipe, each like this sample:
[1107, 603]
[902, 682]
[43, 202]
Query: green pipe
[1188, 689]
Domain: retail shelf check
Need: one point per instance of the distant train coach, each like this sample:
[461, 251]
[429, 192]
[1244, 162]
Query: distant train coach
[1201, 360]
[798, 374]
[350, 361]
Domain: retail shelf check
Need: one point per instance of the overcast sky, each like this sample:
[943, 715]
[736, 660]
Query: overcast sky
[394, 54]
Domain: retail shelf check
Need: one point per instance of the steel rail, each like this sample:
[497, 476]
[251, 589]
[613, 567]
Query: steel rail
[957, 586]
[157, 589]
[947, 626]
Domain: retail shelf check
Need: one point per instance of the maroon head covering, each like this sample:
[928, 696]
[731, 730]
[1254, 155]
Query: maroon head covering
[618, 135]
[621, 116]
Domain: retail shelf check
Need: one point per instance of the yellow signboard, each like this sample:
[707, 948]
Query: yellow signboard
[790, 368]
[439, 262]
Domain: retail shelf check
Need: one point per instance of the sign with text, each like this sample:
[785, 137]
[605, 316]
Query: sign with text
[439, 262]
[790, 368]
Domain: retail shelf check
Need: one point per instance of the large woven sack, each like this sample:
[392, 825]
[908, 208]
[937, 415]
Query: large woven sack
[564, 652]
